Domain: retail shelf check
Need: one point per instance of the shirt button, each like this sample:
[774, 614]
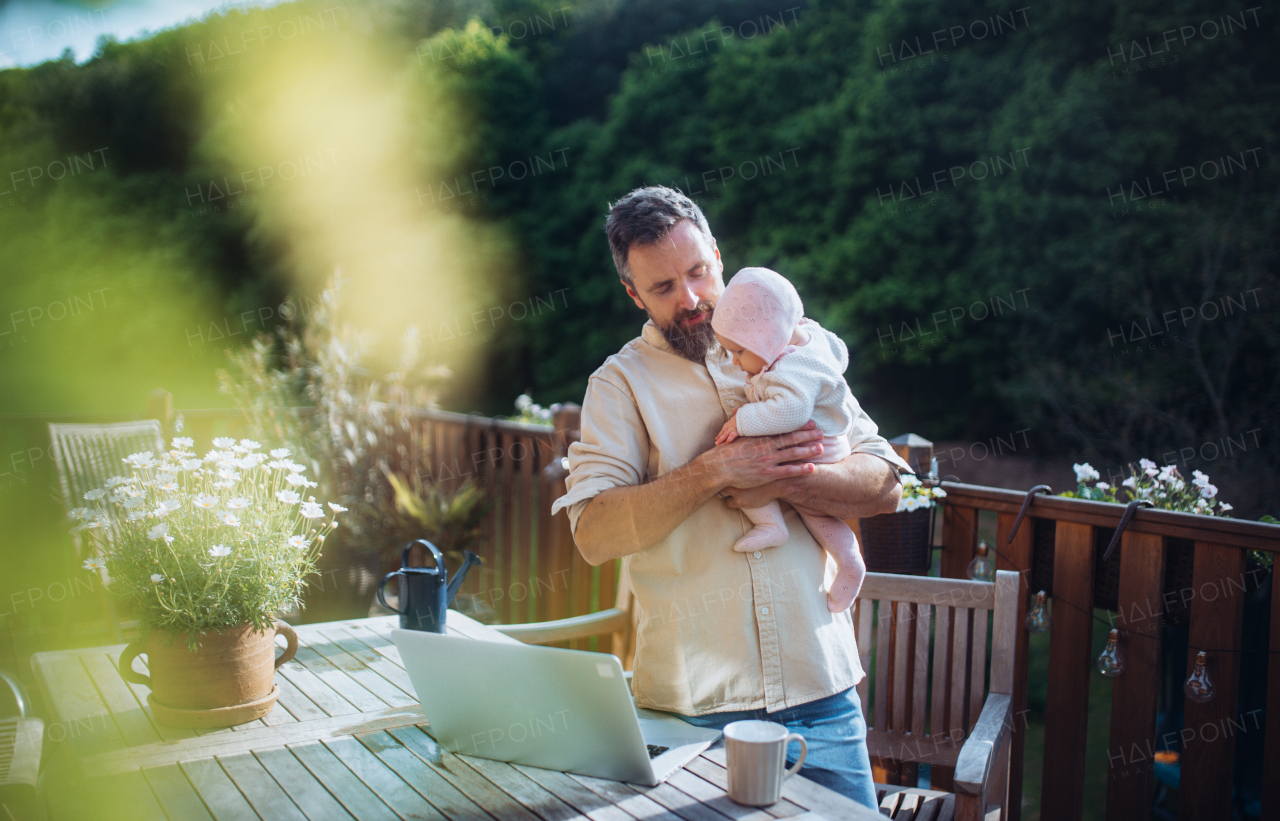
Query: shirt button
[756, 554]
[764, 611]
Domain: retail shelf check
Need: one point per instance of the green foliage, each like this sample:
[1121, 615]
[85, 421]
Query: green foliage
[450, 520]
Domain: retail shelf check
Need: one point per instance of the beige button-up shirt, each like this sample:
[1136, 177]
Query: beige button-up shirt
[717, 630]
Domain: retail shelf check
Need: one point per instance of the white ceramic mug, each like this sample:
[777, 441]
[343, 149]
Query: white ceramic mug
[757, 754]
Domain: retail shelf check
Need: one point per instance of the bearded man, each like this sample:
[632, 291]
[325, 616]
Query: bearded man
[721, 636]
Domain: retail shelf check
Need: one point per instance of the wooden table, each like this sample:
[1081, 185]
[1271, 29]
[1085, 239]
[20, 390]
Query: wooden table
[346, 739]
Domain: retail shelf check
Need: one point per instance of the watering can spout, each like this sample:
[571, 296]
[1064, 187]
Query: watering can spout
[470, 559]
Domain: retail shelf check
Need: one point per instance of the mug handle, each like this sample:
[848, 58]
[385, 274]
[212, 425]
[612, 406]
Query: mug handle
[291, 641]
[382, 589]
[804, 751]
[126, 665]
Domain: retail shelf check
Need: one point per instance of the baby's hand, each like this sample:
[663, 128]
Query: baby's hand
[729, 432]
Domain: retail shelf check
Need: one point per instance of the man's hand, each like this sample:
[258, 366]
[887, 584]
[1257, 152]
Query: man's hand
[625, 520]
[860, 485]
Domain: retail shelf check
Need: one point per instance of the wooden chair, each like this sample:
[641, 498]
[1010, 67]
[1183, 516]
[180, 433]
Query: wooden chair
[88, 455]
[619, 622]
[927, 696]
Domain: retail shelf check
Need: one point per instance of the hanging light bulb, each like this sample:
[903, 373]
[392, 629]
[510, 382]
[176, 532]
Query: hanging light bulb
[982, 569]
[1111, 662]
[1038, 615]
[1199, 687]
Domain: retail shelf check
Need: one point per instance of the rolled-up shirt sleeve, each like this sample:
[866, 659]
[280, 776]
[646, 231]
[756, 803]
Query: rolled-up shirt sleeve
[613, 451]
[864, 437]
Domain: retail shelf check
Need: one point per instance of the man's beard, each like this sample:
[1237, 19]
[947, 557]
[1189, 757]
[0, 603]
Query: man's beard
[692, 342]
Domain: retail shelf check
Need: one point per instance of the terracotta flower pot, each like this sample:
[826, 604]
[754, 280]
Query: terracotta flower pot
[230, 680]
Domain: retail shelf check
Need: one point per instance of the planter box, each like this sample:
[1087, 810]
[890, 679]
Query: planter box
[898, 542]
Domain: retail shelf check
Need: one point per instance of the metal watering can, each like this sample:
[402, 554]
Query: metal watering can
[425, 593]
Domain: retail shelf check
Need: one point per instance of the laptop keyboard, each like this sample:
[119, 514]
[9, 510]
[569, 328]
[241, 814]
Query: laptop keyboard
[655, 750]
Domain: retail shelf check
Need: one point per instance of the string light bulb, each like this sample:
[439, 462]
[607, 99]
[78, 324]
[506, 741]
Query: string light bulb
[1038, 615]
[1111, 662]
[982, 568]
[1199, 687]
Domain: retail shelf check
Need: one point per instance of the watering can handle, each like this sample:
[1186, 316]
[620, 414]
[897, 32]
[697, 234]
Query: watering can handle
[435, 553]
[381, 590]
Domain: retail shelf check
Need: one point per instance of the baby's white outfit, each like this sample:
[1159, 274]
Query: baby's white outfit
[761, 311]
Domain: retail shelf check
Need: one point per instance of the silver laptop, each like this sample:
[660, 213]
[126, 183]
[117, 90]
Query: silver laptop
[565, 710]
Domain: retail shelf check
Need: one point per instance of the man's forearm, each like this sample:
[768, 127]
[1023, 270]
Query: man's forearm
[860, 485]
[626, 520]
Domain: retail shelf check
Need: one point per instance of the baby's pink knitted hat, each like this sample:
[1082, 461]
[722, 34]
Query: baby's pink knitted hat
[758, 309]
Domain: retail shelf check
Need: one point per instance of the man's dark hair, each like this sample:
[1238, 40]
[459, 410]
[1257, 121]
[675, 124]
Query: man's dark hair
[646, 216]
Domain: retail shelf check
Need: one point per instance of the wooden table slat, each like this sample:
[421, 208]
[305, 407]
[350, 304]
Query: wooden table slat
[133, 723]
[467, 781]
[632, 802]
[688, 782]
[177, 797]
[267, 797]
[680, 803]
[317, 690]
[297, 781]
[295, 702]
[382, 780]
[574, 794]
[443, 795]
[371, 658]
[338, 680]
[220, 794]
[710, 766]
[345, 785]
[361, 673]
[531, 795]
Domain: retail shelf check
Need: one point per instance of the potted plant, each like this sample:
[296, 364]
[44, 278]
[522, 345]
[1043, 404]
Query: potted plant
[902, 541]
[206, 551]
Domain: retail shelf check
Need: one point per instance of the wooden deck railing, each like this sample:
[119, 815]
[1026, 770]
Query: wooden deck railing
[1213, 599]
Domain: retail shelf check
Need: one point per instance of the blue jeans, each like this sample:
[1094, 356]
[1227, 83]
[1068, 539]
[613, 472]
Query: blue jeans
[836, 734]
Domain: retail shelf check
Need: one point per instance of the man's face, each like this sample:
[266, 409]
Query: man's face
[677, 281]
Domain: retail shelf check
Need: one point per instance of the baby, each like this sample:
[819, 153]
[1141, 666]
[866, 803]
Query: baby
[795, 374]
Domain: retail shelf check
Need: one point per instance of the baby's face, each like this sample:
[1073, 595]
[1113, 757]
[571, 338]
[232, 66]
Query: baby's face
[743, 358]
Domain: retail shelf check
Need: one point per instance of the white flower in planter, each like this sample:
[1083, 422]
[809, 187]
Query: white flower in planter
[1085, 472]
[219, 550]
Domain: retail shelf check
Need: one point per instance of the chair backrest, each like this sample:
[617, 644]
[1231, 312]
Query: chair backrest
[927, 646]
[88, 455]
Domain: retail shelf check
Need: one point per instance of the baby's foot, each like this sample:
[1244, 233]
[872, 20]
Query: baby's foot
[761, 537]
[845, 588]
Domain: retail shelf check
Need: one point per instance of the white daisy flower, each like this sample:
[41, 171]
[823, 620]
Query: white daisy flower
[184, 442]
[219, 550]
[1146, 464]
[311, 510]
[156, 578]
[280, 453]
[166, 507]
[1085, 472]
[279, 464]
[294, 467]
[1209, 491]
[289, 497]
[296, 479]
[224, 443]
[94, 495]
[136, 515]
[94, 563]
[249, 444]
[336, 508]
[205, 501]
[160, 531]
[229, 519]
[299, 542]
[238, 503]
[191, 464]
[116, 481]
[141, 460]
[224, 484]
